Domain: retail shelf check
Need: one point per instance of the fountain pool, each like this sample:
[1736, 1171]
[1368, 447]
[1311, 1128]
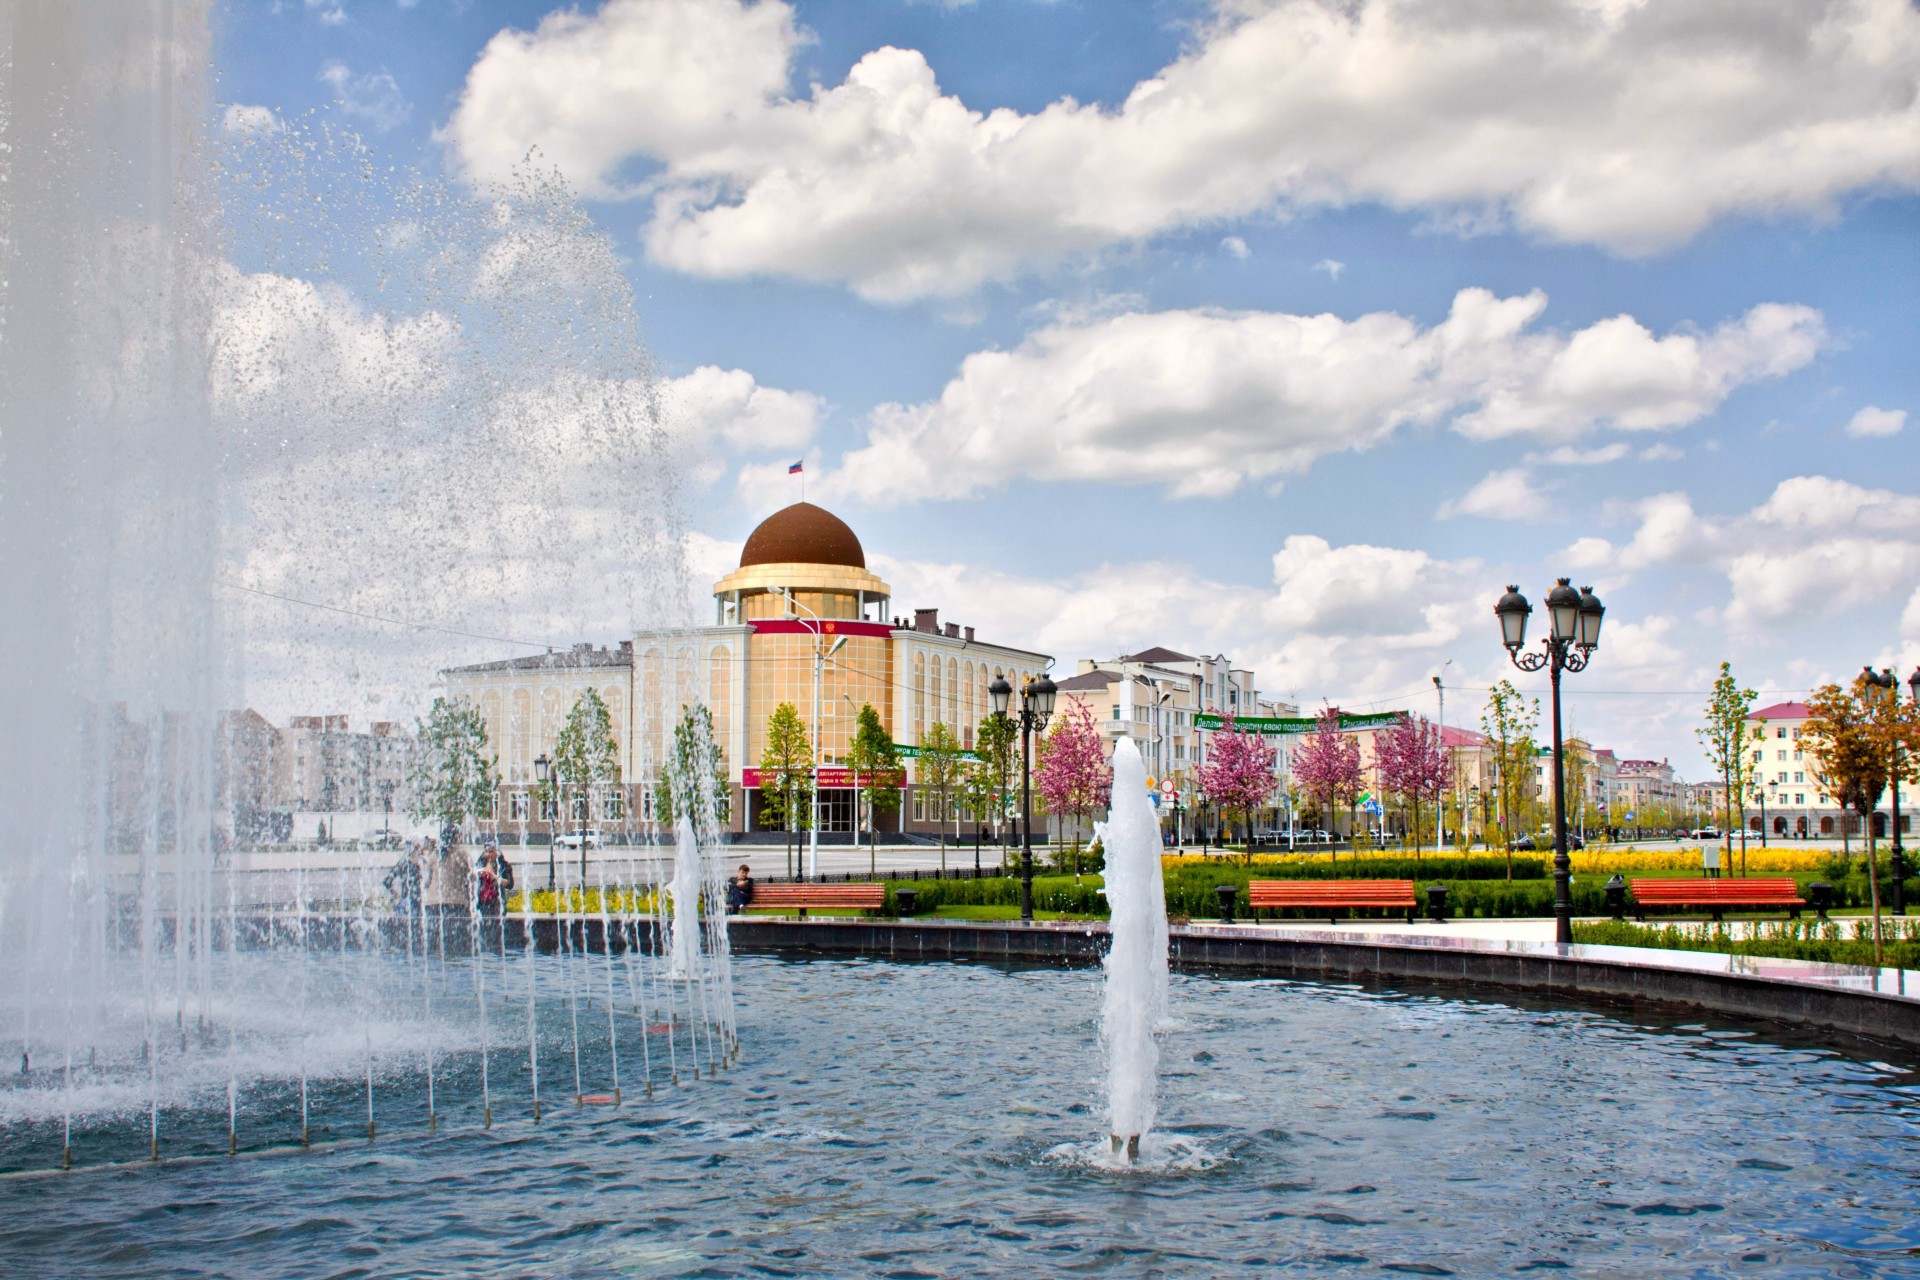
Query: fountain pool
[946, 1119]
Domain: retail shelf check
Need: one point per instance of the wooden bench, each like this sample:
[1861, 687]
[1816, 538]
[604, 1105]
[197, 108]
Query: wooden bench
[1331, 895]
[799, 897]
[1718, 895]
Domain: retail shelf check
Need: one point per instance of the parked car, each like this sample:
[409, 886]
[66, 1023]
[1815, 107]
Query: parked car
[382, 840]
[571, 840]
[1522, 843]
[1708, 833]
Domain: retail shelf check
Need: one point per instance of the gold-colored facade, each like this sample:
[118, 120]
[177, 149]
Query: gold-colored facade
[817, 635]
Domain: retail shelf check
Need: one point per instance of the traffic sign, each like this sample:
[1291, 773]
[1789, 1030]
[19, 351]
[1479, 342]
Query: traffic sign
[1166, 786]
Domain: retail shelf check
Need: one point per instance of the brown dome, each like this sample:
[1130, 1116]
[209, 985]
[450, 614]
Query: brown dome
[803, 534]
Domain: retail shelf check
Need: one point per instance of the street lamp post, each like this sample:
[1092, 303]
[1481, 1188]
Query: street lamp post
[1885, 688]
[1036, 709]
[543, 770]
[1574, 635]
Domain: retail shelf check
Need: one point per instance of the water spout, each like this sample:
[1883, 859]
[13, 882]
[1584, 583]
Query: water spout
[1136, 962]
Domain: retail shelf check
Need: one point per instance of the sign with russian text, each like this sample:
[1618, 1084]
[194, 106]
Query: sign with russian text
[1296, 724]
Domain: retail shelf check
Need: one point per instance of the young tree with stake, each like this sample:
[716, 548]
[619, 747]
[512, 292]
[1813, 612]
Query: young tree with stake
[1328, 766]
[786, 775]
[1238, 774]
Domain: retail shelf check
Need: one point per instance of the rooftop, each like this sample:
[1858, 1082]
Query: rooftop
[581, 655]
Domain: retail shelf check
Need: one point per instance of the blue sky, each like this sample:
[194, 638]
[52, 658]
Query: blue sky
[1175, 365]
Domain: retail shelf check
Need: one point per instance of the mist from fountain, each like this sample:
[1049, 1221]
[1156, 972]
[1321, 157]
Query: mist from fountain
[276, 421]
[1135, 1001]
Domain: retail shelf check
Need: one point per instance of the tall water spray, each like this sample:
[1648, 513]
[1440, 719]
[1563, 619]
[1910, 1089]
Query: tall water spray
[110, 508]
[270, 409]
[685, 892]
[1135, 1002]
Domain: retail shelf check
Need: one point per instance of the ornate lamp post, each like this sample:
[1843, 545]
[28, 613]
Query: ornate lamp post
[1884, 688]
[1036, 709]
[543, 770]
[1575, 617]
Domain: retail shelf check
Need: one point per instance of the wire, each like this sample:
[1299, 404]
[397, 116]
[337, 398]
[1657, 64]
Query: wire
[395, 622]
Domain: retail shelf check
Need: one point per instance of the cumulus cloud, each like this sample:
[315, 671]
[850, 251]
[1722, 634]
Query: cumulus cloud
[1331, 266]
[1875, 421]
[1815, 546]
[1237, 247]
[248, 121]
[1203, 400]
[1512, 494]
[373, 98]
[1629, 126]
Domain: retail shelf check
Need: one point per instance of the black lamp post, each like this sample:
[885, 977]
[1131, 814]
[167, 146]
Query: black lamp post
[543, 770]
[1885, 689]
[1569, 646]
[1036, 709]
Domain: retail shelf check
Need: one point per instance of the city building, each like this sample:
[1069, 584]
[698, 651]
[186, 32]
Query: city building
[294, 781]
[1786, 797]
[801, 620]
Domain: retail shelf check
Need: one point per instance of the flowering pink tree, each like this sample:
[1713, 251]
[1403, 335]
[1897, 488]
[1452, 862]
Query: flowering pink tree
[1238, 774]
[1072, 772]
[1328, 766]
[1412, 765]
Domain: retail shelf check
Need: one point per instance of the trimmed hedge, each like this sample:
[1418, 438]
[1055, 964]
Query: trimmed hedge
[1785, 940]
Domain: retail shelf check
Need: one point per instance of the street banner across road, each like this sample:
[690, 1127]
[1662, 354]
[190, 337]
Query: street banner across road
[1265, 725]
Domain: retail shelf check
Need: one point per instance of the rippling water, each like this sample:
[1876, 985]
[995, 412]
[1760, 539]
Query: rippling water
[938, 1119]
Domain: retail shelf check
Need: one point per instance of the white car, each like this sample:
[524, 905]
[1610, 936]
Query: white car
[571, 840]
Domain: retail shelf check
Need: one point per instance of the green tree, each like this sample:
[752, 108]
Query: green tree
[585, 755]
[997, 743]
[786, 775]
[1509, 721]
[454, 775]
[938, 773]
[877, 774]
[695, 776]
[1726, 737]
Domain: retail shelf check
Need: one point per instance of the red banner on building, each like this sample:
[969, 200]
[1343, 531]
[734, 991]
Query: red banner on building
[829, 778]
[828, 626]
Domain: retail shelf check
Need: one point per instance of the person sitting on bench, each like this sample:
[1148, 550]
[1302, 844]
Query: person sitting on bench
[739, 891]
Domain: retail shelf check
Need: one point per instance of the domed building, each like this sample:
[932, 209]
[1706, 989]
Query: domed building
[801, 620]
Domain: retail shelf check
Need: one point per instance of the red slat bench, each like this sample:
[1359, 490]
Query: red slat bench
[1718, 895]
[799, 897]
[1331, 895]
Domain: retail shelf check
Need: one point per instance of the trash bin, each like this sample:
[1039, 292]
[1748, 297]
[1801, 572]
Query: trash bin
[903, 900]
[1437, 903]
[1226, 893]
[1617, 897]
[1820, 897]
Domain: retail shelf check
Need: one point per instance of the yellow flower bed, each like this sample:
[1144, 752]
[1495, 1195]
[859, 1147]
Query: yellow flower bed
[1610, 858]
[577, 902]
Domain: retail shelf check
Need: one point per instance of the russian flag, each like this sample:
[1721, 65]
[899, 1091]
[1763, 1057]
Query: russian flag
[794, 470]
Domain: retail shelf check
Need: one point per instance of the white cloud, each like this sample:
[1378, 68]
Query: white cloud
[1237, 247]
[1203, 400]
[1332, 267]
[1815, 547]
[1630, 126]
[1661, 453]
[1568, 456]
[1512, 494]
[728, 405]
[248, 121]
[1875, 421]
[374, 98]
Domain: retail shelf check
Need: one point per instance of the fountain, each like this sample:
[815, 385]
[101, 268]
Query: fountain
[173, 1016]
[1135, 1001]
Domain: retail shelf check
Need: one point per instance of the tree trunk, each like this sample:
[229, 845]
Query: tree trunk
[1873, 884]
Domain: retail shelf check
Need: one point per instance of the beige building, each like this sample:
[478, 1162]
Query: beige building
[801, 620]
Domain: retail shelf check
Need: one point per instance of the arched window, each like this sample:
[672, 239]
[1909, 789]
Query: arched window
[520, 737]
[919, 696]
[953, 694]
[967, 720]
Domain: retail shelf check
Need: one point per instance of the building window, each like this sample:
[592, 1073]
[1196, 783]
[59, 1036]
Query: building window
[549, 809]
[919, 807]
[517, 806]
[1799, 798]
[1779, 733]
[615, 804]
[1800, 777]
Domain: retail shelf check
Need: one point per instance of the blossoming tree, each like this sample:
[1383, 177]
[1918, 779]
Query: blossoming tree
[1238, 774]
[1328, 766]
[1413, 765]
[1073, 774]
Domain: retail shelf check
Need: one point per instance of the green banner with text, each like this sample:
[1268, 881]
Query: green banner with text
[1294, 724]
